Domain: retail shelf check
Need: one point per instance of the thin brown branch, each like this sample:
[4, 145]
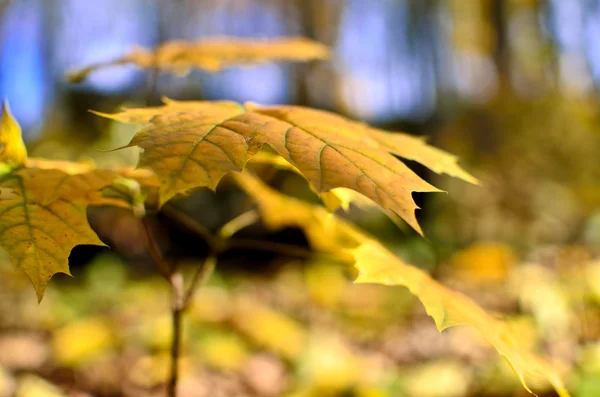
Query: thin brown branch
[163, 266]
[220, 244]
[179, 216]
[269, 246]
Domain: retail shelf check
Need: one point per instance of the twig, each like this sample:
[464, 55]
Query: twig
[219, 243]
[177, 215]
[180, 297]
[269, 246]
[164, 267]
[175, 280]
[238, 223]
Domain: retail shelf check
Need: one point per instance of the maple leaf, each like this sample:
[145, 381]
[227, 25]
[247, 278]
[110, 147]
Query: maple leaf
[194, 143]
[376, 264]
[43, 208]
[324, 231]
[39, 237]
[12, 150]
[449, 308]
[212, 54]
[45, 216]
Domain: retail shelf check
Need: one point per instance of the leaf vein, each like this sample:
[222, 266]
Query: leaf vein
[175, 175]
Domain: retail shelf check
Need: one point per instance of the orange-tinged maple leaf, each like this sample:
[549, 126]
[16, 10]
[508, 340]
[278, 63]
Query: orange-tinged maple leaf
[213, 54]
[193, 144]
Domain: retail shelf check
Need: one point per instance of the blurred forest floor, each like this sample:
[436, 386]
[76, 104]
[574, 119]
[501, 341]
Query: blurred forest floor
[303, 330]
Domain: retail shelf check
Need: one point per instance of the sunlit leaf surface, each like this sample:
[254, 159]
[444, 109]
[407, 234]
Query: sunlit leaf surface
[193, 144]
[449, 308]
[377, 265]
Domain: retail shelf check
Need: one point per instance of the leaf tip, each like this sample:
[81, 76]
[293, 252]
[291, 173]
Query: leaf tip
[465, 176]
[101, 114]
[12, 147]
[250, 105]
[76, 76]
[40, 289]
[115, 149]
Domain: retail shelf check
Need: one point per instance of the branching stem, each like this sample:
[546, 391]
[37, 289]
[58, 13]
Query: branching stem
[218, 243]
[221, 241]
[180, 298]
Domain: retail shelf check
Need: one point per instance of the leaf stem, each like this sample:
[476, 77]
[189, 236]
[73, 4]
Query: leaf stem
[238, 223]
[172, 212]
[219, 242]
[164, 267]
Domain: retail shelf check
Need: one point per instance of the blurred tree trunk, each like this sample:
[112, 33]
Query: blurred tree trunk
[306, 10]
[499, 21]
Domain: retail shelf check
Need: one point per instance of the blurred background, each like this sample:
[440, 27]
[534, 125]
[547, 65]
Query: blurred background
[510, 86]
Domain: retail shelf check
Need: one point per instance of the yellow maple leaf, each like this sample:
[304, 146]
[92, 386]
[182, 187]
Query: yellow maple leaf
[449, 308]
[39, 237]
[43, 208]
[45, 217]
[193, 144]
[325, 232]
[12, 148]
[376, 264]
[212, 54]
